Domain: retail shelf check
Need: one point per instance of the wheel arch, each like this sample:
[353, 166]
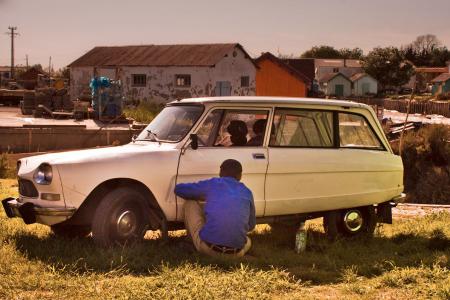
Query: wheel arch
[85, 213]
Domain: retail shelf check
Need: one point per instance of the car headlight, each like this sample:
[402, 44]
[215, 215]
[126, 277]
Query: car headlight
[43, 174]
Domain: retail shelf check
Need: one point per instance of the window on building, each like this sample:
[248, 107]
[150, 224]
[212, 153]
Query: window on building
[302, 128]
[245, 81]
[355, 132]
[335, 70]
[183, 80]
[139, 79]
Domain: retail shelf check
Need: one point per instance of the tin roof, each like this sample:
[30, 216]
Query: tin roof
[282, 64]
[157, 55]
[442, 78]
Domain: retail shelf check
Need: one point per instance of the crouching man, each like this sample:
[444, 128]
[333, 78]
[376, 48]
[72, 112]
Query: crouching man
[228, 215]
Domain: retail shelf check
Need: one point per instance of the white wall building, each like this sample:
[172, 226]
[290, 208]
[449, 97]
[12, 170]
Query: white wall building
[335, 85]
[363, 84]
[162, 73]
[347, 67]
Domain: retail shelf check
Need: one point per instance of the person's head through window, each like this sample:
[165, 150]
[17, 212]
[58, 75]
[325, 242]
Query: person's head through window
[238, 132]
[231, 168]
[259, 127]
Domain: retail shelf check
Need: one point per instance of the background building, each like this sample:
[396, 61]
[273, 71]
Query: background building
[162, 73]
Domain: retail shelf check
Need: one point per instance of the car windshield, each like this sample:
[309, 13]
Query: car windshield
[171, 124]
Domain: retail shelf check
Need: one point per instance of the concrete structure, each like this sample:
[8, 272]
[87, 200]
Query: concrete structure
[276, 78]
[162, 73]
[336, 85]
[363, 84]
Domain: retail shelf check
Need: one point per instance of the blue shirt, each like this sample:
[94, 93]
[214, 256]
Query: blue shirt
[229, 209]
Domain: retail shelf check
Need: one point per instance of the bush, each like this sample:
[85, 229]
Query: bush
[145, 112]
[426, 158]
[5, 170]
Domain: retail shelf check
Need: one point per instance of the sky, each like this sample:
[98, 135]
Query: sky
[65, 30]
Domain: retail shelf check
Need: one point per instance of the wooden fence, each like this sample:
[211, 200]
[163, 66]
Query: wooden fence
[425, 108]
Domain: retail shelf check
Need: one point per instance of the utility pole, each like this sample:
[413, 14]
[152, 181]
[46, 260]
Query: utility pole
[49, 67]
[26, 59]
[13, 35]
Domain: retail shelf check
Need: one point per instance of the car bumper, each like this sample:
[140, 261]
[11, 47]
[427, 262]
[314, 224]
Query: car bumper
[398, 199]
[31, 213]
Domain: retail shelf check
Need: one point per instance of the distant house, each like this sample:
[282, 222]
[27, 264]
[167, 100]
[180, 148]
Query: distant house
[5, 73]
[162, 73]
[274, 77]
[363, 84]
[441, 84]
[347, 67]
[335, 84]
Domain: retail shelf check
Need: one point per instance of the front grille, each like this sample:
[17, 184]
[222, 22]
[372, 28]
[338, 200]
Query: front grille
[27, 188]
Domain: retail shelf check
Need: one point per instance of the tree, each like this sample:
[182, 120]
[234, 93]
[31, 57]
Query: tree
[388, 67]
[426, 50]
[321, 52]
[355, 53]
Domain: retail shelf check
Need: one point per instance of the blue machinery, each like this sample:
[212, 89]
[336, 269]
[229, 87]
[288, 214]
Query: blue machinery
[107, 97]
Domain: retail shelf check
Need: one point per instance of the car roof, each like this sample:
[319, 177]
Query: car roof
[270, 100]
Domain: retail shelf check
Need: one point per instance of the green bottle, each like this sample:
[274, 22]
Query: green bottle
[300, 238]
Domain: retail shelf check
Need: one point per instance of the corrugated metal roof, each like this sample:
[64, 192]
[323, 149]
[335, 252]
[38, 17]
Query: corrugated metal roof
[442, 78]
[157, 55]
[338, 63]
[283, 65]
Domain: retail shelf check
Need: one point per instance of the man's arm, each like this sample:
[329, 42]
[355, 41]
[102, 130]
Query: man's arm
[192, 191]
[252, 217]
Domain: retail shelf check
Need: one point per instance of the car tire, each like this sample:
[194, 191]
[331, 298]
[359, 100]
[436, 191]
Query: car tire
[70, 231]
[120, 218]
[353, 222]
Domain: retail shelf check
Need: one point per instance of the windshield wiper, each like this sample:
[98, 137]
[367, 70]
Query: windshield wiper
[154, 136]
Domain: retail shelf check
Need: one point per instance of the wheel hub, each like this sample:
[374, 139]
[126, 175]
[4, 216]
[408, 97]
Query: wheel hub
[353, 220]
[126, 223]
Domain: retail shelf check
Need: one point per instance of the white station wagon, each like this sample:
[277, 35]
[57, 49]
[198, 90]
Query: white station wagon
[301, 158]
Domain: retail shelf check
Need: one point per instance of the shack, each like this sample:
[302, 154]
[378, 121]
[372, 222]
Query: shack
[162, 73]
[274, 77]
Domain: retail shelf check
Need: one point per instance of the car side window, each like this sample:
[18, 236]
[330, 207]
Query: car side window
[355, 132]
[233, 128]
[207, 132]
[302, 128]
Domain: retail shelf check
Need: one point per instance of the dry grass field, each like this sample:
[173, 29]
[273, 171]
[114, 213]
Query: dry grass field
[409, 259]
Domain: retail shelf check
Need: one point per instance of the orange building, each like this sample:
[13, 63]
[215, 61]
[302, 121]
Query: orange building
[276, 78]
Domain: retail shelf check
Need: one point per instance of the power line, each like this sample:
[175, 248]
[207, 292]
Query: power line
[13, 35]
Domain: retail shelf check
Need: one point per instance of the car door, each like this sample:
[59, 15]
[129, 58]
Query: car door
[302, 153]
[229, 133]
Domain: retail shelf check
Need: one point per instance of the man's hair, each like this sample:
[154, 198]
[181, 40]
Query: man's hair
[231, 168]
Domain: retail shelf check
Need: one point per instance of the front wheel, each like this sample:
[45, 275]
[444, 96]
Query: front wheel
[359, 221]
[120, 218]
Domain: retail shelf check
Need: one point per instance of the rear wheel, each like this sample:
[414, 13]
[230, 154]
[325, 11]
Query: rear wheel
[120, 218]
[70, 231]
[360, 221]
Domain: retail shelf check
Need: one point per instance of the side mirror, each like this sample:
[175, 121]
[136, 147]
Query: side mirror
[194, 141]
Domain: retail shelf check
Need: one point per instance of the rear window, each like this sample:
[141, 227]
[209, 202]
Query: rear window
[355, 132]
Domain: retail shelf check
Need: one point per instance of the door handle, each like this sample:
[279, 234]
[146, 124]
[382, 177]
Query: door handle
[258, 156]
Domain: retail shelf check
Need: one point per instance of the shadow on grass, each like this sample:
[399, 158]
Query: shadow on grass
[322, 263]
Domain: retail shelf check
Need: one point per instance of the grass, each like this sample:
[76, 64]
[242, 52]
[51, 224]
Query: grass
[407, 259]
[145, 112]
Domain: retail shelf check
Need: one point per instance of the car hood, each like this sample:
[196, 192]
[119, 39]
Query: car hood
[29, 164]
